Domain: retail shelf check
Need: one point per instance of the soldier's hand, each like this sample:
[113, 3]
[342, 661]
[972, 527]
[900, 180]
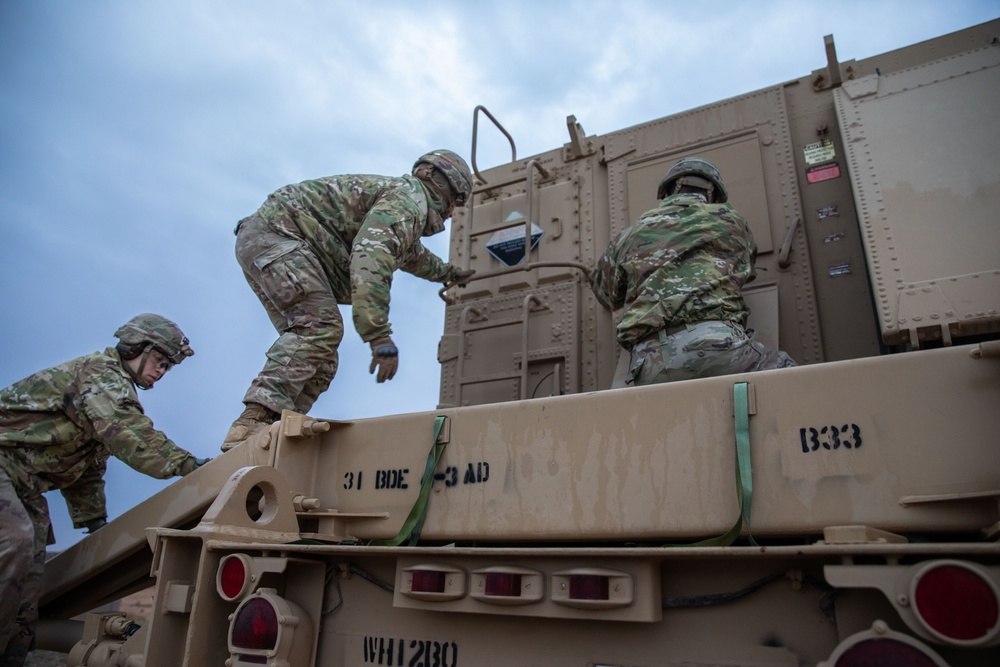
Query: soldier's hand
[94, 525]
[461, 277]
[190, 464]
[385, 357]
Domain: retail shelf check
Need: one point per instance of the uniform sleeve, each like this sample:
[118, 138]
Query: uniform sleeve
[85, 498]
[609, 282]
[387, 240]
[109, 402]
[422, 263]
[751, 254]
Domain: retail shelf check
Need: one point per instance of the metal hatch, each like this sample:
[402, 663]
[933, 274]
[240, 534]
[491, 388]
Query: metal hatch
[923, 147]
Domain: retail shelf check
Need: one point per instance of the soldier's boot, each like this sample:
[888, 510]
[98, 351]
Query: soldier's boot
[255, 418]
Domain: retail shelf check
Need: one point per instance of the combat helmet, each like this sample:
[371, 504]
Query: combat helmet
[454, 168]
[153, 331]
[696, 172]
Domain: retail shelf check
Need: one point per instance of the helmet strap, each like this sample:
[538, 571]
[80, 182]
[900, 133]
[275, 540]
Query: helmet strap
[137, 375]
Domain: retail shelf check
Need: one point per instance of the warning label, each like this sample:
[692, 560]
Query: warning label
[507, 245]
[821, 151]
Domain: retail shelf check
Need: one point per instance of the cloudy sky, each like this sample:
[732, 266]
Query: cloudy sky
[134, 134]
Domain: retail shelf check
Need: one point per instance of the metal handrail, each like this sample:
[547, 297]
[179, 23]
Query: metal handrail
[475, 138]
[460, 365]
[531, 167]
[502, 272]
[531, 190]
[526, 315]
[786, 245]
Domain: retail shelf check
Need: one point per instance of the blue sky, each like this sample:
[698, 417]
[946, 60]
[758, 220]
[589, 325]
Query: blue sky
[135, 134]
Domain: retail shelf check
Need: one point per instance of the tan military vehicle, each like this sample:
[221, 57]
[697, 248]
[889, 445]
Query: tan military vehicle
[841, 513]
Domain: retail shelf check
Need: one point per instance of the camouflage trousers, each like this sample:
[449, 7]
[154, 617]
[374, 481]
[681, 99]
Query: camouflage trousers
[704, 349]
[24, 533]
[290, 282]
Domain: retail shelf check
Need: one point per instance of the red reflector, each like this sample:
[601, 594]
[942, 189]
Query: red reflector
[256, 625]
[956, 602]
[884, 653]
[588, 587]
[503, 584]
[232, 577]
[428, 581]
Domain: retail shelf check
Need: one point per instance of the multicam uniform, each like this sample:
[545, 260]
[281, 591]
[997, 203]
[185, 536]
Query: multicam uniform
[58, 428]
[679, 273]
[324, 242]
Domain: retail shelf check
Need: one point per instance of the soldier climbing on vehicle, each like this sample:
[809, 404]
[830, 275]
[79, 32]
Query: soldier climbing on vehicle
[338, 240]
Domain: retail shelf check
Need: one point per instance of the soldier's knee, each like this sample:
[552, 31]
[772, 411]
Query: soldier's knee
[785, 361]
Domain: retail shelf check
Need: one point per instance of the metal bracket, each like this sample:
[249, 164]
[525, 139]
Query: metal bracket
[579, 145]
[831, 77]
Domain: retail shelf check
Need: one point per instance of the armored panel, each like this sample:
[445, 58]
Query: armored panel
[830, 225]
[744, 180]
[511, 346]
[499, 234]
[922, 145]
[490, 236]
[522, 329]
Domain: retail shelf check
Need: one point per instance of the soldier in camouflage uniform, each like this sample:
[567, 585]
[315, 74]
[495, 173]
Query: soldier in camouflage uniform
[679, 273]
[58, 428]
[338, 240]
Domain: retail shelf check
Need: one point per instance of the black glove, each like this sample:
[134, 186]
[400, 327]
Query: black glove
[93, 525]
[190, 464]
[461, 277]
[385, 357]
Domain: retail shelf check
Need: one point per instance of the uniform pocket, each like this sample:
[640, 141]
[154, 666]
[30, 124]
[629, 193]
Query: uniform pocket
[715, 337]
[276, 251]
[288, 273]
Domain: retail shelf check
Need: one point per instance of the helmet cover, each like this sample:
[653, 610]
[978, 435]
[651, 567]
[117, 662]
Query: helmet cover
[693, 166]
[165, 336]
[454, 169]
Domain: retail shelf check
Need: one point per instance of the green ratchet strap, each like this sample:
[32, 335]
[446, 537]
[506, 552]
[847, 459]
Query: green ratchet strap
[415, 520]
[744, 481]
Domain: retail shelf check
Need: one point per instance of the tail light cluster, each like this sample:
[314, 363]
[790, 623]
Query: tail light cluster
[255, 625]
[946, 601]
[884, 653]
[630, 593]
[881, 647]
[956, 602]
[511, 585]
[234, 578]
[263, 628]
[262, 631]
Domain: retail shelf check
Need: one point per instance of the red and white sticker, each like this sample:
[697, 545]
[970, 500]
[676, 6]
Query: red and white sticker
[823, 172]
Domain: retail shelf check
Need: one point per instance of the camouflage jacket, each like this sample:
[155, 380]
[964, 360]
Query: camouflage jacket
[685, 261]
[362, 228]
[59, 426]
